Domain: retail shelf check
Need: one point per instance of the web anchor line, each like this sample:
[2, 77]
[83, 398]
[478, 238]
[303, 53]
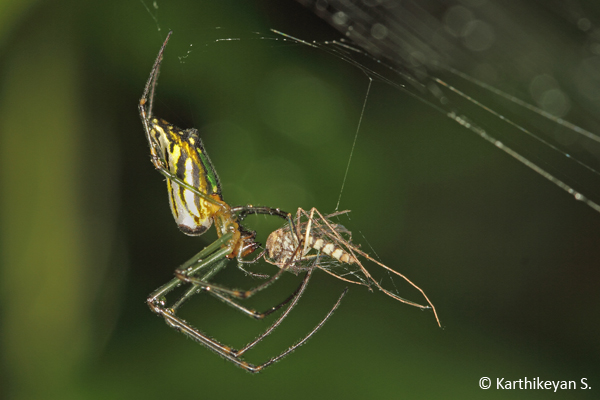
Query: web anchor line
[462, 120]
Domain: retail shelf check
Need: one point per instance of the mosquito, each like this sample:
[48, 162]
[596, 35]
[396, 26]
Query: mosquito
[328, 246]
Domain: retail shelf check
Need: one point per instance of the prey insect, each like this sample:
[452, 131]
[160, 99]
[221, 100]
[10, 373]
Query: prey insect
[196, 203]
[328, 246]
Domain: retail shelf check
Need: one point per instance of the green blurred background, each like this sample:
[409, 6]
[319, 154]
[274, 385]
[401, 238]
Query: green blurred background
[509, 260]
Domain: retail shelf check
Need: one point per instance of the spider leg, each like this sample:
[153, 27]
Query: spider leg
[228, 353]
[151, 83]
[250, 260]
[242, 261]
[193, 266]
[225, 351]
[145, 111]
[253, 274]
[295, 297]
[301, 342]
[195, 289]
[214, 291]
[210, 256]
[252, 313]
[186, 275]
[229, 301]
[244, 211]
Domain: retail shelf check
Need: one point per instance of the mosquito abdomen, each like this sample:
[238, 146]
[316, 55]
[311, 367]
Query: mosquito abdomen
[281, 246]
[331, 249]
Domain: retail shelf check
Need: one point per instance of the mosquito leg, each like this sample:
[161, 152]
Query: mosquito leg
[354, 250]
[308, 226]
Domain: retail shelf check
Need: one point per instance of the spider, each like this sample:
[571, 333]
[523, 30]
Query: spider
[196, 203]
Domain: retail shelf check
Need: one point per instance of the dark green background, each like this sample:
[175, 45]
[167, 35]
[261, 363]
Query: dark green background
[509, 260]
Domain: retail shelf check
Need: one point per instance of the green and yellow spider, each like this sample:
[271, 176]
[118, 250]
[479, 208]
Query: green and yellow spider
[310, 242]
[196, 203]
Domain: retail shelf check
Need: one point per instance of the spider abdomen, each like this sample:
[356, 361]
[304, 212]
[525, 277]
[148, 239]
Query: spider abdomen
[186, 158]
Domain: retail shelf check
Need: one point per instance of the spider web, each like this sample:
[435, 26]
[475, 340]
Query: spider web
[492, 71]
[517, 262]
[461, 60]
[430, 44]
